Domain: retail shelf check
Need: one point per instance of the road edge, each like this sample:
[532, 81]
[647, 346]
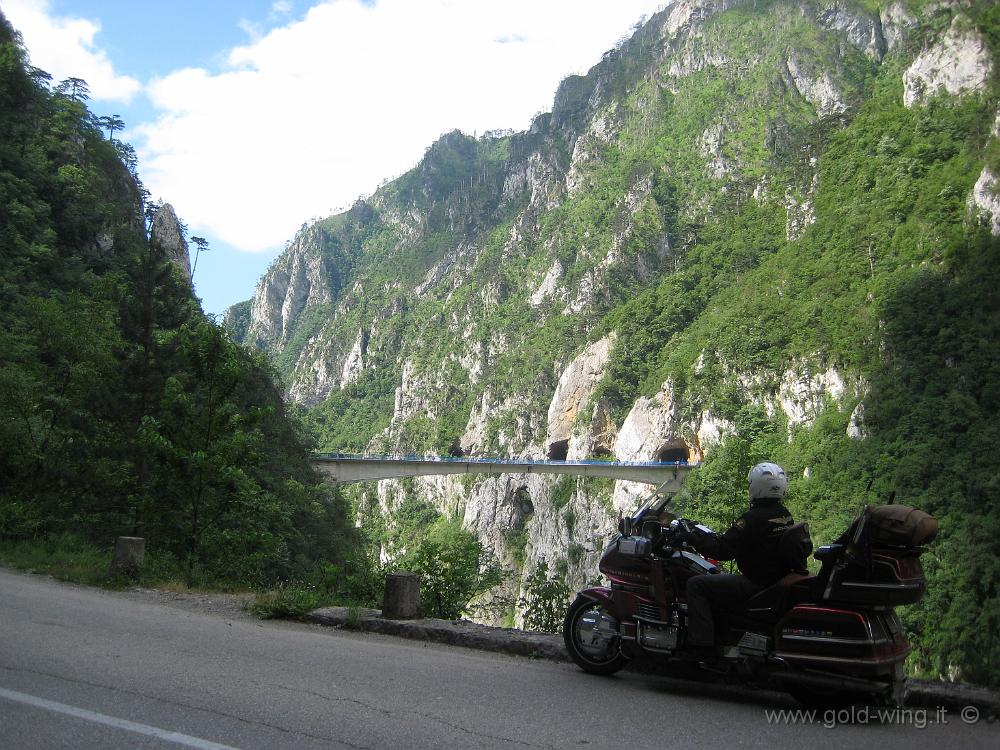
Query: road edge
[920, 693]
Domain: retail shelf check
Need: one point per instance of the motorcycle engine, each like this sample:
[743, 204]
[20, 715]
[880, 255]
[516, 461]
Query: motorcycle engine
[657, 637]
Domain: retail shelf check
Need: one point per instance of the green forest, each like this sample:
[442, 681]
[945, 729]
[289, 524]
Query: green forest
[124, 410]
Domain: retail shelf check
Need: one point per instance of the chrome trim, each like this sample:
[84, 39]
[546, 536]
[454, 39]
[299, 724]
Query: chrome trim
[651, 621]
[595, 631]
[830, 639]
[856, 660]
[857, 584]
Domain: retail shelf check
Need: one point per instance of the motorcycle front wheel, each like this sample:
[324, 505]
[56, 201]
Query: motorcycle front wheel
[591, 636]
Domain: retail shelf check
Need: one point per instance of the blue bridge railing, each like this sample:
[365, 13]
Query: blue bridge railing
[482, 460]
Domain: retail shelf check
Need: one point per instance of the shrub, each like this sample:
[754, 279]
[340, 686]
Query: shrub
[454, 568]
[544, 601]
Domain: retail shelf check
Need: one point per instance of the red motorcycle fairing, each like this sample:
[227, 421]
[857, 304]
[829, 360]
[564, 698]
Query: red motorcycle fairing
[600, 594]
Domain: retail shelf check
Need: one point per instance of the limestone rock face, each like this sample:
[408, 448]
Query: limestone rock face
[959, 62]
[601, 131]
[656, 429]
[984, 202]
[864, 32]
[897, 23]
[166, 231]
[803, 395]
[710, 145]
[691, 14]
[297, 280]
[549, 287]
[816, 86]
[986, 199]
[800, 210]
[355, 360]
[576, 384]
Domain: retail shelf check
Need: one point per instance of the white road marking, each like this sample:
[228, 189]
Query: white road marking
[111, 721]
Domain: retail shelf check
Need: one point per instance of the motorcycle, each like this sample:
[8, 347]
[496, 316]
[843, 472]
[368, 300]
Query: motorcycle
[830, 639]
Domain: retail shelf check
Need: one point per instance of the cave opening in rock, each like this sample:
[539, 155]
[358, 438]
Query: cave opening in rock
[673, 452]
[558, 450]
[522, 501]
[602, 452]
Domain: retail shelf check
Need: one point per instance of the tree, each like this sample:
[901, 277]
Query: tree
[112, 123]
[545, 600]
[202, 244]
[74, 88]
[454, 568]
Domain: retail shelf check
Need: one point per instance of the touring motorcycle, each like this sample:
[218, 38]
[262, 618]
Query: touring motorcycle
[829, 639]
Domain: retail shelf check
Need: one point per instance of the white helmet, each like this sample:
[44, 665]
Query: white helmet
[767, 480]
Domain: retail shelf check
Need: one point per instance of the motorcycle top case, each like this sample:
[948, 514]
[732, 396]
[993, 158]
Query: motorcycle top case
[888, 578]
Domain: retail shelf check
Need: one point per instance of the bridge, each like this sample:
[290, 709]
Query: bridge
[342, 468]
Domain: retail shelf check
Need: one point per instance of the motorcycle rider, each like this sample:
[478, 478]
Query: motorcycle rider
[753, 542]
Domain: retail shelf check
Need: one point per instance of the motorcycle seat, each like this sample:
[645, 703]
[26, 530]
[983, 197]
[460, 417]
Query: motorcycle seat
[777, 598]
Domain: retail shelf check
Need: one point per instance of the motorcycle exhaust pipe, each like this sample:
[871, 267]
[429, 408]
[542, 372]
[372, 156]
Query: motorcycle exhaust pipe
[830, 682]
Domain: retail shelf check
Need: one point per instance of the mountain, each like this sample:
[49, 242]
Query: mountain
[762, 229]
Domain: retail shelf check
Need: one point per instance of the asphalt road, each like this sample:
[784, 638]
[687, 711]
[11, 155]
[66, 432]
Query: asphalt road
[82, 668]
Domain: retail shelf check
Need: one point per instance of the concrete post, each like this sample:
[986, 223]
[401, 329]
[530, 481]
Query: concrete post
[129, 554]
[402, 596]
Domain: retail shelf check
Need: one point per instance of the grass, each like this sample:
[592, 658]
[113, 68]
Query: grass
[67, 557]
[63, 557]
[288, 601]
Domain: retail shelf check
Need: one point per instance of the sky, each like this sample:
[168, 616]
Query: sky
[253, 117]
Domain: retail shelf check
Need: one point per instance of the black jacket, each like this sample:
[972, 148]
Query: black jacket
[752, 541]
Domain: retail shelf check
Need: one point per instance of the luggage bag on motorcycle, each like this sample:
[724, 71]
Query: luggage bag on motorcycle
[901, 526]
[892, 525]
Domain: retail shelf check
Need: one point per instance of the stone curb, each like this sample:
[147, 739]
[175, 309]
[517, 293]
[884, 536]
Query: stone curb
[449, 632]
[921, 693]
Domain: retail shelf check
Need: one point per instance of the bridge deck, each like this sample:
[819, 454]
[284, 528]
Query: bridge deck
[346, 468]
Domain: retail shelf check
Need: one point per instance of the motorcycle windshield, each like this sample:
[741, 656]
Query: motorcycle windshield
[653, 506]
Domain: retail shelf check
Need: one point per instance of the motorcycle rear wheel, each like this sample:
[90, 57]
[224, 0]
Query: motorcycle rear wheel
[588, 641]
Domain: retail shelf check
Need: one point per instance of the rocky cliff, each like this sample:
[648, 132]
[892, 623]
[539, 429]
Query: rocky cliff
[694, 256]
[166, 230]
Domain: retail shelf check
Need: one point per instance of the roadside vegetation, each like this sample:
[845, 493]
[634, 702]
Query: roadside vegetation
[124, 409]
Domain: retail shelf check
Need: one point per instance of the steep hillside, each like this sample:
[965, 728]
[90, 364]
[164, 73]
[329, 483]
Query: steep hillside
[123, 409]
[754, 230]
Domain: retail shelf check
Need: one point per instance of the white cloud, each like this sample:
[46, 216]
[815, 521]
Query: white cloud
[307, 116]
[65, 48]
